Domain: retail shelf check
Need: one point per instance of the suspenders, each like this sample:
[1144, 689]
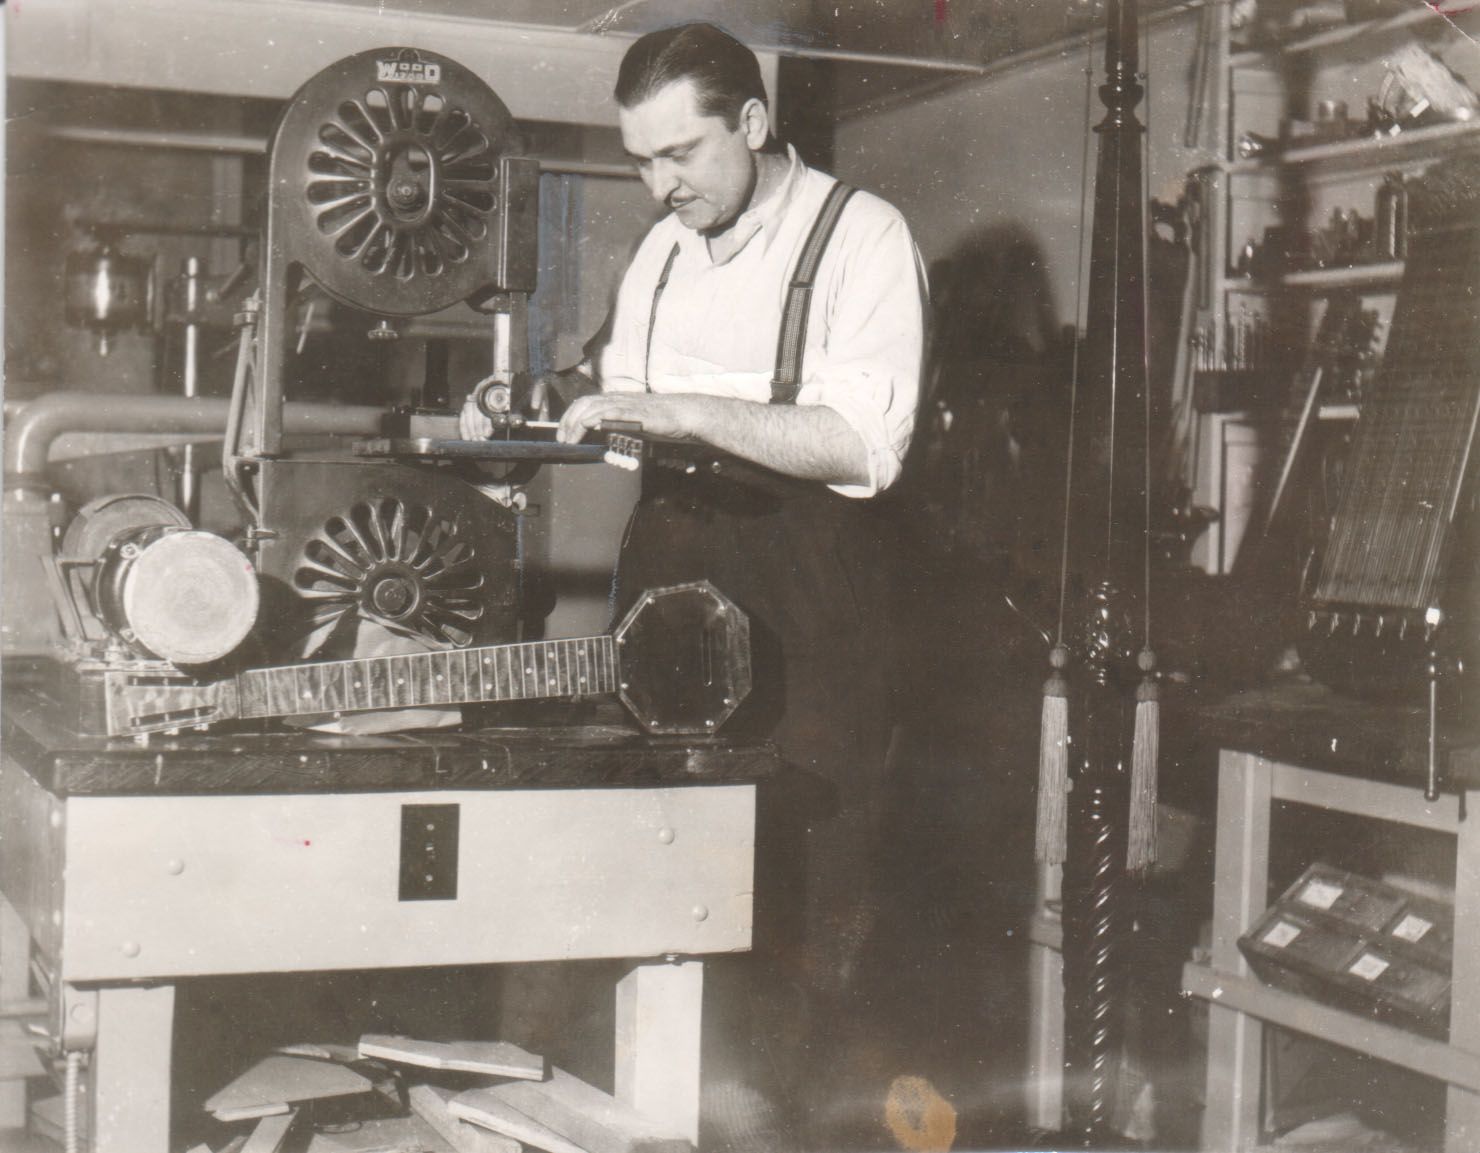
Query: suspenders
[786, 379]
[647, 354]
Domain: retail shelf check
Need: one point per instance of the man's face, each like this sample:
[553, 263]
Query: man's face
[692, 163]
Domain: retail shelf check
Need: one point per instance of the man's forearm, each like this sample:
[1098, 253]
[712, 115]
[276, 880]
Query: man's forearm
[810, 441]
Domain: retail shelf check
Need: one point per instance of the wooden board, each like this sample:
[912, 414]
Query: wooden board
[385, 1135]
[594, 1121]
[18, 1053]
[552, 874]
[431, 1104]
[481, 1107]
[494, 1058]
[270, 1133]
[276, 1082]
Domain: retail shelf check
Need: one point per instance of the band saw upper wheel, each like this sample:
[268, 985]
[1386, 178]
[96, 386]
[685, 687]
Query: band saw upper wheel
[386, 180]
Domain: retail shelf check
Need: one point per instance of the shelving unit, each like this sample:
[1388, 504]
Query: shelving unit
[1329, 761]
[1299, 188]
[1360, 38]
[1361, 152]
[1250, 786]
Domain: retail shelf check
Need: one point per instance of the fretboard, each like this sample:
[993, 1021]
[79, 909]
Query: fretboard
[564, 668]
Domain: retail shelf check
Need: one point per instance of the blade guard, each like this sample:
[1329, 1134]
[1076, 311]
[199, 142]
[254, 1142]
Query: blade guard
[684, 656]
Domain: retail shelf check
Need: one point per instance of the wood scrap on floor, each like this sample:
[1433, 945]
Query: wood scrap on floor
[588, 1118]
[382, 1135]
[344, 1054]
[270, 1133]
[495, 1058]
[274, 1084]
[430, 1103]
[46, 1118]
[478, 1107]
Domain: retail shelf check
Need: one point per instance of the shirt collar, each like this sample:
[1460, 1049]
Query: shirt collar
[763, 218]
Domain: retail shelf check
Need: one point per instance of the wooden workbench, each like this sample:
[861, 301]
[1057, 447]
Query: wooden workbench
[127, 867]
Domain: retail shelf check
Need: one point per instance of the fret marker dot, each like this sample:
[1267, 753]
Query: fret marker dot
[400, 680]
[439, 676]
[358, 685]
[488, 660]
[530, 670]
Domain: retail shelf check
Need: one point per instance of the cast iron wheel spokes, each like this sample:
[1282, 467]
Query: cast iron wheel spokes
[402, 182]
[398, 564]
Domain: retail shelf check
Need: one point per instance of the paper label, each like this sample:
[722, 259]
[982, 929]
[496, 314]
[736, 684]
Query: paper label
[1281, 934]
[1368, 967]
[1320, 894]
[1412, 928]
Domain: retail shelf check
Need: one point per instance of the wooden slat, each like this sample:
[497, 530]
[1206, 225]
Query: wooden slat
[493, 1058]
[429, 1102]
[1361, 1034]
[595, 1121]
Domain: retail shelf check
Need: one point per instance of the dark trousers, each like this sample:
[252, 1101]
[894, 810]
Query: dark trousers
[810, 569]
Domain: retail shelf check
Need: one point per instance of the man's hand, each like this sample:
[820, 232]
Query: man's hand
[677, 415]
[549, 394]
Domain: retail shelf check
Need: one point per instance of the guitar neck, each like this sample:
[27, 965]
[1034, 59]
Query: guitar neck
[536, 669]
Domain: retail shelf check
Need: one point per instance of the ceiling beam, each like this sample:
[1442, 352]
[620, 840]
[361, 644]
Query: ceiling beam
[267, 48]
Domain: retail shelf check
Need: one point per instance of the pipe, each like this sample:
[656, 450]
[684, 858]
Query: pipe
[166, 139]
[29, 436]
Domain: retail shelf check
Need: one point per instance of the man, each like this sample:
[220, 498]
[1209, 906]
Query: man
[804, 429]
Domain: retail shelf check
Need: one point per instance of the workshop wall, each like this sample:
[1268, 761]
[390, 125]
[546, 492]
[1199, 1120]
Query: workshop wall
[1003, 155]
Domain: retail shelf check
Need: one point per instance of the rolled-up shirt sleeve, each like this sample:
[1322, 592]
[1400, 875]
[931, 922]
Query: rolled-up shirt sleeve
[867, 364]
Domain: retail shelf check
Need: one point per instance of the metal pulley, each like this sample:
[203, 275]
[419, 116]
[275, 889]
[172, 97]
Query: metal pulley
[182, 595]
[160, 588]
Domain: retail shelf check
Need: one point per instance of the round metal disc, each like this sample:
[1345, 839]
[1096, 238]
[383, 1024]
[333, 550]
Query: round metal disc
[99, 521]
[191, 597]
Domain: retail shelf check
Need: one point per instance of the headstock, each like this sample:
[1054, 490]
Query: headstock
[161, 699]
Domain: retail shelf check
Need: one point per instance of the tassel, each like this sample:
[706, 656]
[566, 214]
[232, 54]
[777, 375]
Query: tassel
[1053, 764]
[1141, 850]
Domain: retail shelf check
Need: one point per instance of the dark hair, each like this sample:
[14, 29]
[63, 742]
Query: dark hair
[725, 72]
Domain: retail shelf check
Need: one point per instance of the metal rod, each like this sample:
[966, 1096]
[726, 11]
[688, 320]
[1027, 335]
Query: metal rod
[189, 487]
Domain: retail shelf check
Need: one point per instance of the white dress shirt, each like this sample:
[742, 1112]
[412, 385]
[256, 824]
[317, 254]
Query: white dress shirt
[717, 322]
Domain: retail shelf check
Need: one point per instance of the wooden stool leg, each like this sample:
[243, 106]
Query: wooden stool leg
[1462, 1119]
[658, 1029]
[1241, 893]
[1045, 1088]
[131, 1069]
[15, 986]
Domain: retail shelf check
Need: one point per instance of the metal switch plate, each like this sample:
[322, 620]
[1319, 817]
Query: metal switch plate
[429, 852]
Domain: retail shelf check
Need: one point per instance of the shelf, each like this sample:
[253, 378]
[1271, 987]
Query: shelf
[1359, 37]
[1350, 1030]
[1385, 274]
[1370, 151]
